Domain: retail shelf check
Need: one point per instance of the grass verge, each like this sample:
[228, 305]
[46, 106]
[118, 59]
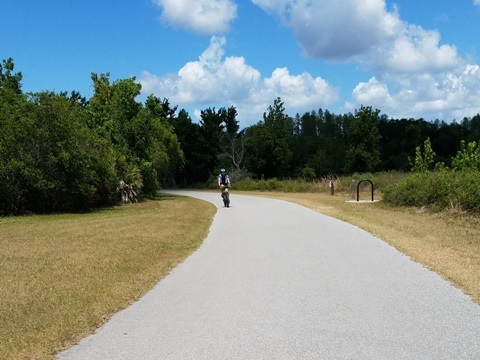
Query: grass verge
[64, 275]
[448, 243]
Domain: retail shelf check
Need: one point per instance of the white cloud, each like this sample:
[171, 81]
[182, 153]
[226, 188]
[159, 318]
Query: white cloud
[213, 80]
[299, 91]
[415, 51]
[432, 96]
[202, 16]
[273, 6]
[363, 31]
[336, 30]
[414, 74]
[373, 93]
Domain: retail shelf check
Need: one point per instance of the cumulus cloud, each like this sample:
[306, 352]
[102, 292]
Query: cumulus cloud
[373, 92]
[210, 79]
[202, 16]
[299, 91]
[336, 30]
[433, 96]
[223, 81]
[417, 51]
[363, 31]
[413, 73]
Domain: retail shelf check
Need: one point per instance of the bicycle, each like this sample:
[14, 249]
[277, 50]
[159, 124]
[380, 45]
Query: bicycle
[225, 196]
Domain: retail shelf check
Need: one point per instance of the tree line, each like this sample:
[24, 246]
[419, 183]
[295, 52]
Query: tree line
[63, 152]
[312, 145]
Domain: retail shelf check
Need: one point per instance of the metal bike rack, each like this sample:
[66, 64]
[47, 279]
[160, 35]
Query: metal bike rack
[358, 188]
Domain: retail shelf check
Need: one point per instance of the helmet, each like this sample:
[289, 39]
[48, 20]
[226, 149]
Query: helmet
[222, 170]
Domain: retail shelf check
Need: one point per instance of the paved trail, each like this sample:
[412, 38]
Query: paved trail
[274, 280]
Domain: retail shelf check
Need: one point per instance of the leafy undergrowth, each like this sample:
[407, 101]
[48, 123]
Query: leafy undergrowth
[322, 185]
[438, 191]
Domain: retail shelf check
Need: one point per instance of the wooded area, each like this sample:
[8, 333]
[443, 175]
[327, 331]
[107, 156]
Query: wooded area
[63, 152]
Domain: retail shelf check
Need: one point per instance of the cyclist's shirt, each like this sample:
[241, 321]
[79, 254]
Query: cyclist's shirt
[223, 179]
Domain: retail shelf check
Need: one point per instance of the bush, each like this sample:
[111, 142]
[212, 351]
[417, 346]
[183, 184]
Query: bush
[49, 160]
[380, 180]
[149, 180]
[341, 184]
[470, 194]
[308, 173]
[438, 191]
[468, 157]
[274, 185]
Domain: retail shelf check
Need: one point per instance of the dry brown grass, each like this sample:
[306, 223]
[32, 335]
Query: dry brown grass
[63, 275]
[447, 243]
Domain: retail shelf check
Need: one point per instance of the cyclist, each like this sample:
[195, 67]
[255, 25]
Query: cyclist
[223, 180]
[224, 184]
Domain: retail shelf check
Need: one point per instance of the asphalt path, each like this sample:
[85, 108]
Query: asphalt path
[274, 280]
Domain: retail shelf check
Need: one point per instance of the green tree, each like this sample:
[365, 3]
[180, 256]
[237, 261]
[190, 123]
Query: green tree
[232, 142]
[330, 157]
[468, 157]
[9, 80]
[363, 153]
[212, 143]
[154, 147]
[161, 108]
[212, 127]
[424, 161]
[279, 122]
[399, 138]
[54, 162]
[267, 144]
[196, 167]
[446, 140]
[13, 128]
[267, 155]
[473, 128]
[306, 141]
[60, 152]
[143, 135]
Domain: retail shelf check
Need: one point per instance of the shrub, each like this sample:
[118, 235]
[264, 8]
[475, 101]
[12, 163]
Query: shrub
[341, 184]
[426, 161]
[274, 185]
[469, 196]
[437, 191]
[380, 180]
[468, 157]
[149, 180]
[308, 173]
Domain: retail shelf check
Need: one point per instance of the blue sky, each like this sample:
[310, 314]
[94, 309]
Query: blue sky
[408, 58]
